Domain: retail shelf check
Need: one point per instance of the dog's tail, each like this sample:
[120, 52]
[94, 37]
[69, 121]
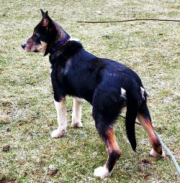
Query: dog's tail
[135, 101]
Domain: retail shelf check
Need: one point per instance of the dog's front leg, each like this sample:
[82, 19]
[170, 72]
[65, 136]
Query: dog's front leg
[76, 114]
[61, 118]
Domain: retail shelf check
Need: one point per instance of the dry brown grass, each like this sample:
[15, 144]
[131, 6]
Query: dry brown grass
[27, 114]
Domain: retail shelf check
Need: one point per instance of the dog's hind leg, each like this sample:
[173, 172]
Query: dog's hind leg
[61, 118]
[76, 114]
[113, 152]
[106, 133]
[145, 119]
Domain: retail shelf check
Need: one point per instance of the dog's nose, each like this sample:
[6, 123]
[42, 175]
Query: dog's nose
[23, 45]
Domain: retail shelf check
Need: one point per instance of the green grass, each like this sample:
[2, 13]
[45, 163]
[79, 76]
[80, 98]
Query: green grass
[27, 114]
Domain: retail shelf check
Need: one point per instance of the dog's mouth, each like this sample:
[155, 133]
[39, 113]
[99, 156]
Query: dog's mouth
[26, 47]
[34, 48]
[29, 48]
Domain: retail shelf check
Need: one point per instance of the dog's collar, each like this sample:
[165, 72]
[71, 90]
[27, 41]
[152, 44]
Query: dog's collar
[56, 45]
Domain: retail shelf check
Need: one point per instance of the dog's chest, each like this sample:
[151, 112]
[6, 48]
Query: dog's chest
[63, 68]
[67, 67]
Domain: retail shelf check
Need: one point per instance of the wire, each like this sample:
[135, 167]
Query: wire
[164, 147]
[130, 20]
[169, 153]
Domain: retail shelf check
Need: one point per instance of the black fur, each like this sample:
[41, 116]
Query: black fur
[99, 81]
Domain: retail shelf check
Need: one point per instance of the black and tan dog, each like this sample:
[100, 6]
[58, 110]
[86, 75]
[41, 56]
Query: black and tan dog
[107, 85]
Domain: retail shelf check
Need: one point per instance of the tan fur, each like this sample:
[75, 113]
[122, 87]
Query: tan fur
[44, 47]
[147, 125]
[61, 118]
[45, 22]
[112, 143]
[76, 114]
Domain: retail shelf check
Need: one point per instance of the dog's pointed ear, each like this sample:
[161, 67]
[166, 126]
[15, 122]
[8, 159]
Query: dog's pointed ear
[45, 18]
[42, 13]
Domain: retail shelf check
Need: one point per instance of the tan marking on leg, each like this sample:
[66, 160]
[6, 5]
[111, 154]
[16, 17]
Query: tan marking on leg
[147, 125]
[113, 149]
[61, 119]
[112, 143]
[114, 154]
[76, 114]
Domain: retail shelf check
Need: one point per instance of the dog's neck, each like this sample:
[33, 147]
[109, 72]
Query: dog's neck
[61, 38]
[63, 53]
[61, 33]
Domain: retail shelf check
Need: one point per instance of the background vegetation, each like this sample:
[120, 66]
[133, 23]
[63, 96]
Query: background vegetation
[27, 114]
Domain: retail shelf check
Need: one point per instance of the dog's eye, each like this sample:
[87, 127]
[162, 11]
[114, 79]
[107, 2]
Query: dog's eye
[35, 36]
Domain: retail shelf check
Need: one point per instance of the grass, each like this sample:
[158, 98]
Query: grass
[27, 114]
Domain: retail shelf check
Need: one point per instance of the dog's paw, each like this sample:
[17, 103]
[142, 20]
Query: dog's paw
[154, 154]
[58, 133]
[77, 124]
[101, 172]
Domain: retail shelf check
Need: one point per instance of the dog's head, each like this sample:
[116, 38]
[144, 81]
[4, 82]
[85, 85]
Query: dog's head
[44, 35]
